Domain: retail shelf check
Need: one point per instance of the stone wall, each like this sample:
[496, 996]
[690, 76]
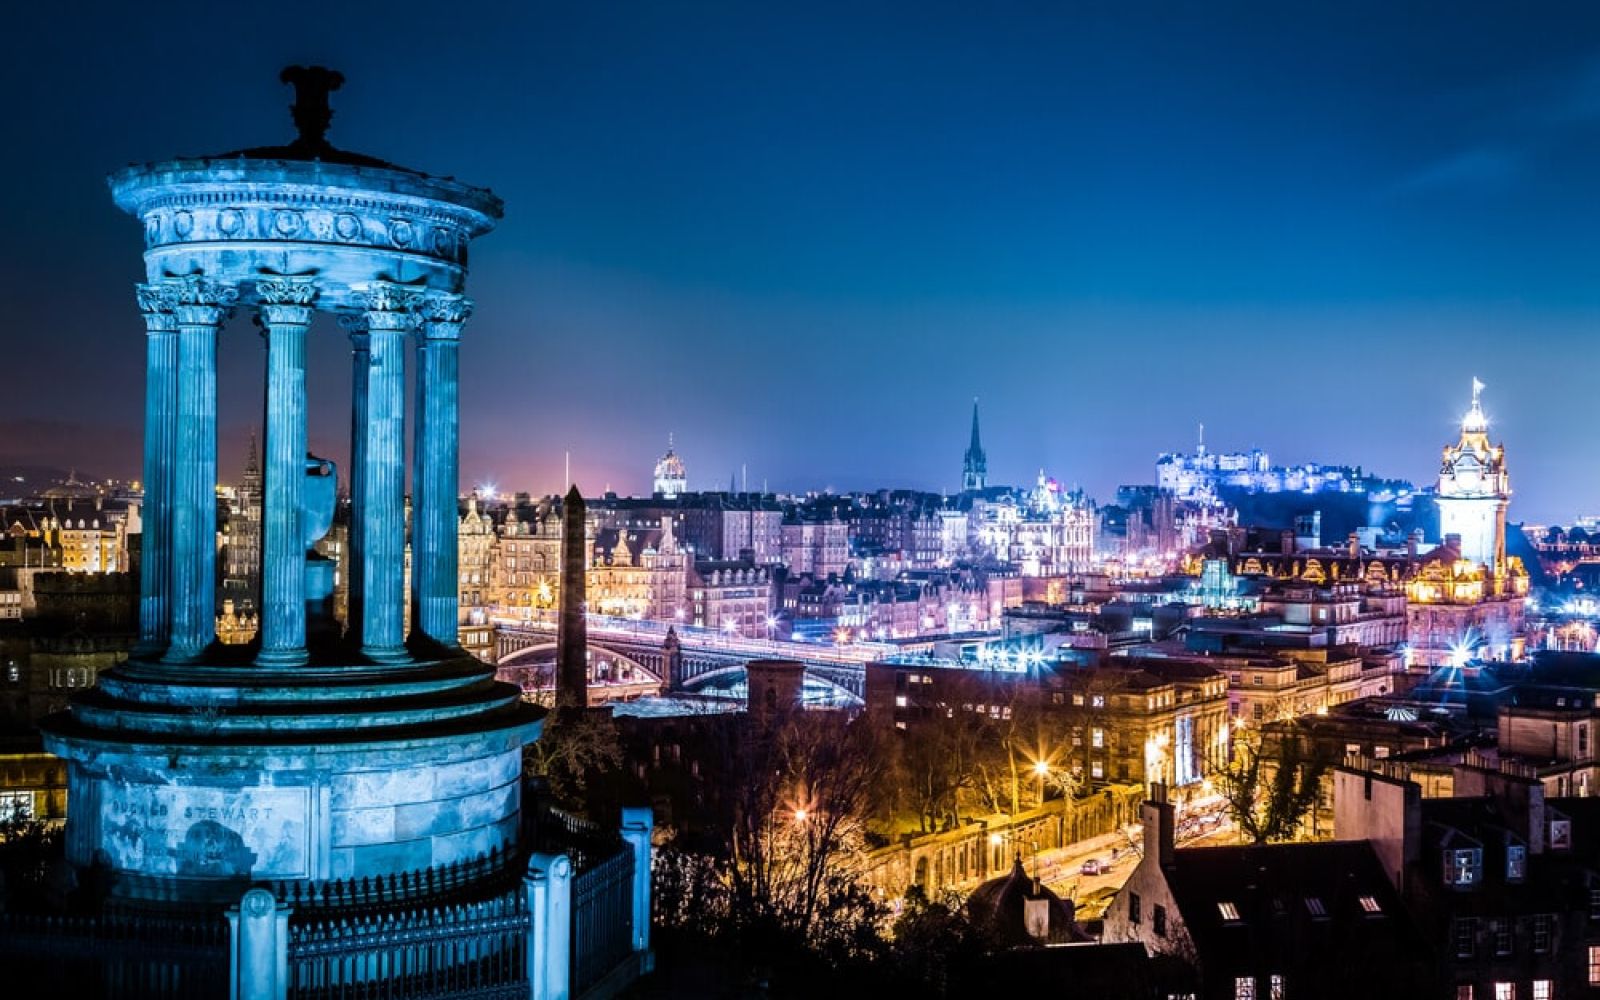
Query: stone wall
[983, 848]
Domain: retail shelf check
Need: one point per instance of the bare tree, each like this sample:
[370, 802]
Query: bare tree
[802, 785]
[1271, 785]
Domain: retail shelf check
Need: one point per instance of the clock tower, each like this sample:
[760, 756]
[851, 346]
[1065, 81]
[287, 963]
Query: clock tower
[1474, 490]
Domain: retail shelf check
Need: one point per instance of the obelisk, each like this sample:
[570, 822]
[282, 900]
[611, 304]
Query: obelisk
[572, 636]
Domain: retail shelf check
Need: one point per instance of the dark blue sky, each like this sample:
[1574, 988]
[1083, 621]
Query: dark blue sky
[804, 237]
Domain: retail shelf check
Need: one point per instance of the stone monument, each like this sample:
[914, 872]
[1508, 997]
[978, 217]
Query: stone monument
[307, 755]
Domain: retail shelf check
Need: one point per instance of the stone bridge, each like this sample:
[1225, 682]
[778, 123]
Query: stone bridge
[676, 664]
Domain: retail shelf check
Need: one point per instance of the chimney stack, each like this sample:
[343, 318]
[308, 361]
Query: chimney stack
[1160, 826]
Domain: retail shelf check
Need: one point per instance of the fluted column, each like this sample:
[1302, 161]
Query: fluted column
[285, 316]
[201, 305]
[160, 430]
[360, 366]
[435, 473]
[390, 313]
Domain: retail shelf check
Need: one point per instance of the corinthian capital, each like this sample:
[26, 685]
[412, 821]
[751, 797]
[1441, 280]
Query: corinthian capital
[200, 301]
[286, 301]
[156, 302]
[281, 291]
[389, 306]
[443, 315]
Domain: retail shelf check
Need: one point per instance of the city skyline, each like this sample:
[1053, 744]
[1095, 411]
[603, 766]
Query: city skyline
[811, 280]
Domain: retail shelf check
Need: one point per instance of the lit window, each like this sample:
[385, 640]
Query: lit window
[16, 807]
[1314, 906]
[1275, 988]
[899, 701]
[1097, 769]
[1505, 991]
[1369, 904]
[1097, 738]
[1244, 988]
[1594, 965]
[1077, 699]
[1098, 701]
[1516, 862]
[1463, 867]
[1228, 911]
[1542, 989]
[1464, 991]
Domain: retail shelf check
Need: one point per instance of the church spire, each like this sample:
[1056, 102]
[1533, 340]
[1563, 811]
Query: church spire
[975, 464]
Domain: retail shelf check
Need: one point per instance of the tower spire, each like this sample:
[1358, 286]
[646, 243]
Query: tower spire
[975, 464]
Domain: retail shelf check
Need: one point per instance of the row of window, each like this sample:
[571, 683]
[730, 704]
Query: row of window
[1464, 866]
[1539, 989]
[1502, 934]
[1244, 987]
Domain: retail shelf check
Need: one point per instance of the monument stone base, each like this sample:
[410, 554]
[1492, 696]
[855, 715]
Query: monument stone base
[188, 781]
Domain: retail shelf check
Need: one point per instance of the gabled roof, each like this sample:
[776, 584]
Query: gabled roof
[1237, 901]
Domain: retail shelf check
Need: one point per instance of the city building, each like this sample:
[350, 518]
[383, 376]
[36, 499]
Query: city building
[733, 596]
[639, 573]
[1270, 921]
[1103, 720]
[1500, 878]
[671, 478]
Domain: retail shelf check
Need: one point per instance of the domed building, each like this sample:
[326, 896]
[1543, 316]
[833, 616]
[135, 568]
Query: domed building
[1019, 911]
[671, 478]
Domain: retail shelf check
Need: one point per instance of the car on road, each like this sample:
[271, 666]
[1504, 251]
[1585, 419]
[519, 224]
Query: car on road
[1095, 866]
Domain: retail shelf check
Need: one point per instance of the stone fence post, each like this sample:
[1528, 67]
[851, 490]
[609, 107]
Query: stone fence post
[548, 884]
[258, 962]
[637, 822]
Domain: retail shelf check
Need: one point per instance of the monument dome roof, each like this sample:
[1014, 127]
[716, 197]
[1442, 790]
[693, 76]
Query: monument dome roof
[309, 159]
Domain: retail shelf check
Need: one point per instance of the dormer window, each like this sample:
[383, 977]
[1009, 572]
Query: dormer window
[1463, 867]
[1369, 904]
[1516, 862]
[1228, 910]
[1314, 906]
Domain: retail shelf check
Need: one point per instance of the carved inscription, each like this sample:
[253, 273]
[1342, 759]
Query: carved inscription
[207, 832]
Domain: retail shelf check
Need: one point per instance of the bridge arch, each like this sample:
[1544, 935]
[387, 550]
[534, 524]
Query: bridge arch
[534, 654]
[732, 673]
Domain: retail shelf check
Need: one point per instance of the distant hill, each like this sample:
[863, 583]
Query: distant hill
[27, 480]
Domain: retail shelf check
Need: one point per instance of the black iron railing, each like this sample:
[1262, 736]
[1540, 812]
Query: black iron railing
[457, 882]
[602, 919]
[463, 950]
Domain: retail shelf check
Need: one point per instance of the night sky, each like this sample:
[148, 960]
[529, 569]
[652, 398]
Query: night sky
[804, 239]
